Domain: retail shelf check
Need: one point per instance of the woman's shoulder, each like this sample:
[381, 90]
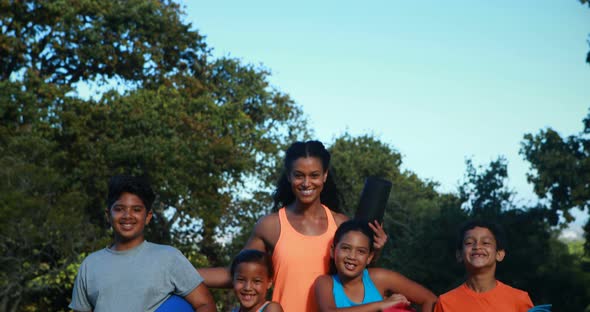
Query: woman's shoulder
[268, 220]
[268, 229]
[339, 218]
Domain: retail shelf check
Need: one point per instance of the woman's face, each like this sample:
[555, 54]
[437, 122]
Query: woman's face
[307, 178]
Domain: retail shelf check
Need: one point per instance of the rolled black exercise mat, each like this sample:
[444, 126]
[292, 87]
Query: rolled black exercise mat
[373, 199]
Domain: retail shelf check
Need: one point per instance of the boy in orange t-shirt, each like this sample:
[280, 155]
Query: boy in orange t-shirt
[480, 247]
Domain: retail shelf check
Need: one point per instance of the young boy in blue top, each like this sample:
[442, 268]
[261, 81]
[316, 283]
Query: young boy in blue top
[133, 274]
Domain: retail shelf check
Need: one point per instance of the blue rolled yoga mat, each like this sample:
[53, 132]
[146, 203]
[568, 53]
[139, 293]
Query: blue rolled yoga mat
[373, 199]
[175, 303]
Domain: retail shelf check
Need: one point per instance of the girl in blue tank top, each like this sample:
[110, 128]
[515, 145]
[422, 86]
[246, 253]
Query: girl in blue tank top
[353, 285]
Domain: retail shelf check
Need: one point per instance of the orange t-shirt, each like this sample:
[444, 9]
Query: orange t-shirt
[501, 298]
[298, 260]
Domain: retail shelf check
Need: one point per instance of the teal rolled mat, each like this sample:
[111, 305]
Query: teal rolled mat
[541, 308]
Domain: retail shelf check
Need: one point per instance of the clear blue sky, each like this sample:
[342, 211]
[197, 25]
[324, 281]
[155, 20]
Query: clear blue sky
[438, 81]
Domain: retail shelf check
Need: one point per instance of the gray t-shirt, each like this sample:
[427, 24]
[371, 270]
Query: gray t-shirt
[140, 279]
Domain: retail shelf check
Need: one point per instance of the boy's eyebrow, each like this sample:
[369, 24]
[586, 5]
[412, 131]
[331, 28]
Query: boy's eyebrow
[483, 237]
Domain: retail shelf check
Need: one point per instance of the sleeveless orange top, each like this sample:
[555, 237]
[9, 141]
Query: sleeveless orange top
[298, 260]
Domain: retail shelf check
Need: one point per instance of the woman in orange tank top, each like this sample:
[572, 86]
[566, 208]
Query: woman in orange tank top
[298, 233]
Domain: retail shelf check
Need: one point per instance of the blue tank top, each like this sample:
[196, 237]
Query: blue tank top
[341, 300]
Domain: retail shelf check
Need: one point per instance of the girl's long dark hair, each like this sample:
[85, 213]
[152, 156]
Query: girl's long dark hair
[283, 195]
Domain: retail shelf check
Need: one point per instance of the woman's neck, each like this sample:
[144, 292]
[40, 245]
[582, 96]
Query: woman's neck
[312, 209]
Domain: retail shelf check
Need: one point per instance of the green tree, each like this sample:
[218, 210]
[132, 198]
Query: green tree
[204, 130]
[69, 41]
[560, 171]
[484, 193]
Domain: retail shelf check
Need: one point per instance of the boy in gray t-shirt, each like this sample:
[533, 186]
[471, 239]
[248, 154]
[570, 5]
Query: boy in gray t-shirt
[133, 274]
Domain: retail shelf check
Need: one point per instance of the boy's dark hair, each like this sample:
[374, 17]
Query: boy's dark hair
[495, 228]
[252, 256]
[358, 225]
[138, 186]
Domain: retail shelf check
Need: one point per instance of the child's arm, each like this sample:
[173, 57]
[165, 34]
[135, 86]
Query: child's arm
[201, 300]
[220, 277]
[325, 299]
[397, 283]
[216, 277]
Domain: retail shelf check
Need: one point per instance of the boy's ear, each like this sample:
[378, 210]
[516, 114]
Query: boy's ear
[269, 284]
[500, 254]
[148, 217]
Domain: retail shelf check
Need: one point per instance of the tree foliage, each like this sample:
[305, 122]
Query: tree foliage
[484, 193]
[560, 171]
[203, 130]
[68, 41]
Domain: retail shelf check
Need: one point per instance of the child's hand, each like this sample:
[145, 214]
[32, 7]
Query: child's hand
[394, 299]
[380, 237]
